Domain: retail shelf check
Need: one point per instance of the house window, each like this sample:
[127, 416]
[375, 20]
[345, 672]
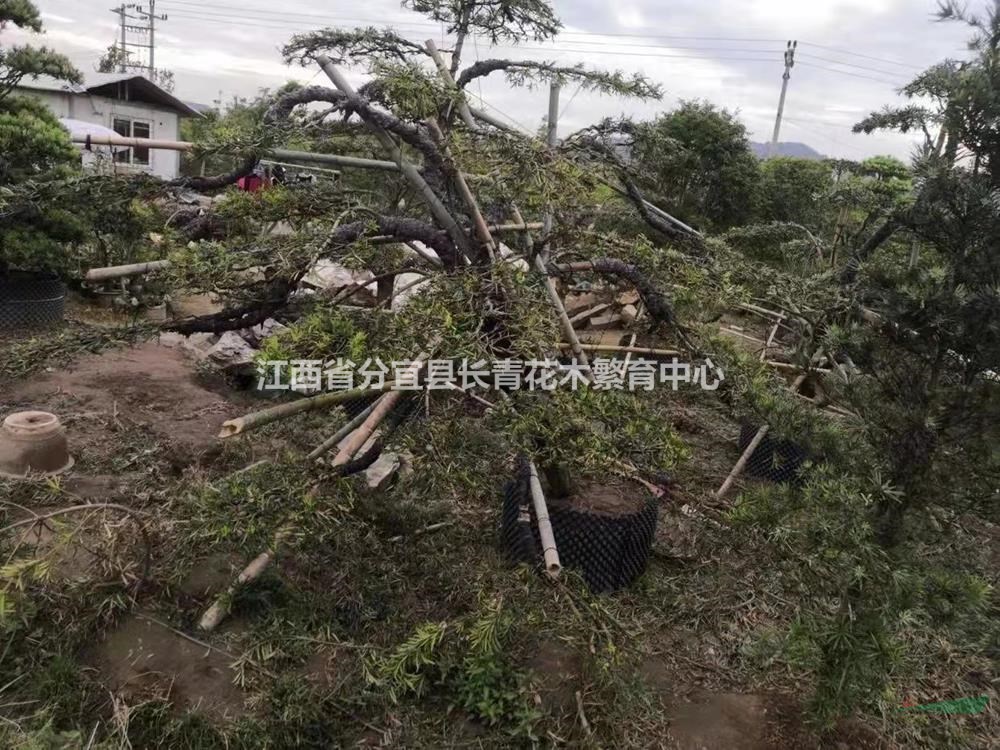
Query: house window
[132, 129]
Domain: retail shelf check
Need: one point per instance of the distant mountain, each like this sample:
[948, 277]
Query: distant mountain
[787, 148]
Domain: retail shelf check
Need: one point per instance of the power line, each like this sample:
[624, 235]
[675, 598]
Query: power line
[853, 75]
[852, 65]
[861, 54]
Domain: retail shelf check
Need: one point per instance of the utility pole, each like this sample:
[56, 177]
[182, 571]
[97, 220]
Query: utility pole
[147, 30]
[152, 18]
[789, 64]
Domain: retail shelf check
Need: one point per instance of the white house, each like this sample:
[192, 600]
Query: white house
[128, 104]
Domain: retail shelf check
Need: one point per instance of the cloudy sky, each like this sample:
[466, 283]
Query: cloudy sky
[852, 56]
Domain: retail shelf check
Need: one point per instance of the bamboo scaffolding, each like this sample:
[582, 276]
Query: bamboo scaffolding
[549, 551]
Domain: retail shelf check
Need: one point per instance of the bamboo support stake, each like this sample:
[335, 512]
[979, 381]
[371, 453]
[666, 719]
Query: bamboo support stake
[770, 339]
[549, 550]
[216, 613]
[412, 174]
[340, 434]
[467, 197]
[553, 294]
[449, 79]
[219, 610]
[741, 464]
[281, 411]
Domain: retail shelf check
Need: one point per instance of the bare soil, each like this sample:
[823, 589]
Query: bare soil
[605, 498]
[150, 385]
[144, 661]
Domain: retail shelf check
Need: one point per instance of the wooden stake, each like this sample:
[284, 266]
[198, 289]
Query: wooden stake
[741, 464]
[549, 551]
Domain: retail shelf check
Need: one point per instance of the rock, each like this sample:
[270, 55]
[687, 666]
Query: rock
[199, 344]
[629, 313]
[610, 320]
[259, 333]
[381, 473]
[631, 297]
[331, 277]
[402, 298]
[231, 352]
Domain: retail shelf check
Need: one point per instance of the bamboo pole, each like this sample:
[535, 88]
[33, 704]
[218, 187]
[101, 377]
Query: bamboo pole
[412, 174]
[587, 314]
[553, 294]
[132, 269]
[281, 411]
[770, 339]
[741, 464]
[449, 79]
[622, 349]
[463, 190]
[340, 434]
[219, 609]
[549, 551]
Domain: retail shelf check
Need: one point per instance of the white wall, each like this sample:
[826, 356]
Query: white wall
[100, 110]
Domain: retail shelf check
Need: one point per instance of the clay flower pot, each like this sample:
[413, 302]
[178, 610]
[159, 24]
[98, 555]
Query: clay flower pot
[35, 442]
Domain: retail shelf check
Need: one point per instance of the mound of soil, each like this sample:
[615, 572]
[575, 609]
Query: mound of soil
[609, 499]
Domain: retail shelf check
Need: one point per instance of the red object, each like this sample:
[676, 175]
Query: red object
[251, 183]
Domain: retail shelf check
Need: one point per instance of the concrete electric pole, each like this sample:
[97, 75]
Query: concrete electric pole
[789, 64]
[148, 31]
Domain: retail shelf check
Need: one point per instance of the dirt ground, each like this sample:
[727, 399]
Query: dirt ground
[150, 386]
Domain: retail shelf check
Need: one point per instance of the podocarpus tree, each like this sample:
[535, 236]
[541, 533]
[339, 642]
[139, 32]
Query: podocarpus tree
[880, 522]
[34, 150]
[463, 172]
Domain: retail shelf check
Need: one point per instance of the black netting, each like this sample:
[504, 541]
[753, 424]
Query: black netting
[30, 301]
[775, 458]
[610, 552]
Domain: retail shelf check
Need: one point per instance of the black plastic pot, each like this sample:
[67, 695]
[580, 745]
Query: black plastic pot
[610, 552]
[30, 300]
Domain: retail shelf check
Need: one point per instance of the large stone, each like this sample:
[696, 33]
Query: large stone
[199, 344]
[403, 281]
[330, 277]
[381, 473]
[231, 352]
[262, 331]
